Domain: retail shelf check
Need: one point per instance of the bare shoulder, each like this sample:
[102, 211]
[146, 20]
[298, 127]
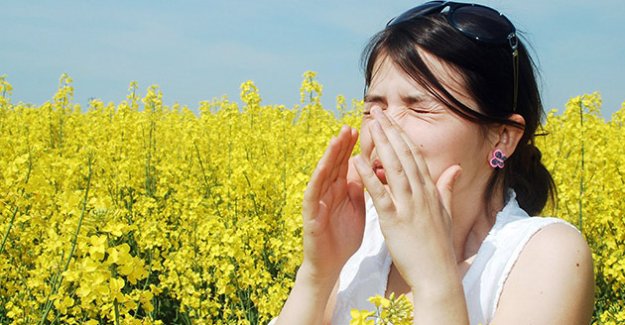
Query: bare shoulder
[552, 281]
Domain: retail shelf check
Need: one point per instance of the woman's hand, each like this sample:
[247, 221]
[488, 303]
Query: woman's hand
[414, 212]
[334, 221]
[333, 211]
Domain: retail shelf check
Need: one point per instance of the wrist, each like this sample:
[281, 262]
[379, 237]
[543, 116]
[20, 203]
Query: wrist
[441, 285]
[311, 277]
[441, 305]
[309, 297]
[437, 293]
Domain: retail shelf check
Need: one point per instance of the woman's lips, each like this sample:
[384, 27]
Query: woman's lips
[378, 169]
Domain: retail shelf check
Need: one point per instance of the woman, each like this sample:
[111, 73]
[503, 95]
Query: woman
[452, 175]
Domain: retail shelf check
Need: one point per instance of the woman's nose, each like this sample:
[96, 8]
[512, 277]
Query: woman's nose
[394, 112]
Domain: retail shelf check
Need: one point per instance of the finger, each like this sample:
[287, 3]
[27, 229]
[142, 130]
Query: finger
[411, 150]
[319, 178]
[355, 187]
[394, 168]
[422, 166]
[382, 200]
[344, 164]
[445, 185]
[337, 163]
[346, 146]
[328, 168]
[405, 149]
[352, 173]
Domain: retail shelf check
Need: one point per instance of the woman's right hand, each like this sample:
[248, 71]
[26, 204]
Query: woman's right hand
[333, 211]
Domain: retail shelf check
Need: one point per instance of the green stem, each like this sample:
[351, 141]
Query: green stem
[6, 233]
[150, 181]
[207, 189]
[22, 192]
[116, 305]
[147, 280]
[581, 178]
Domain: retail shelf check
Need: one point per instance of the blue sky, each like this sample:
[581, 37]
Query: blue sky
[200, 50]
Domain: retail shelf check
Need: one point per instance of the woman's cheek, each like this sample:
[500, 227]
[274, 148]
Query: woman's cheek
[434, 166]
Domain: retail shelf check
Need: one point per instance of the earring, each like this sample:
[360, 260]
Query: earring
[498, 159]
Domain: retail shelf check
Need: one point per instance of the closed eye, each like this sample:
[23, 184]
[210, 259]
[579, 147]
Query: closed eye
[423, 105]
[420, 110]
[371, 101]
[418, 103]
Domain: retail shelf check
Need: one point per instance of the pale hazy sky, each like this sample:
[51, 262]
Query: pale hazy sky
[200, 50]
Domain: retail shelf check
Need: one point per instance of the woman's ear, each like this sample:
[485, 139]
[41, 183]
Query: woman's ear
[508, 136]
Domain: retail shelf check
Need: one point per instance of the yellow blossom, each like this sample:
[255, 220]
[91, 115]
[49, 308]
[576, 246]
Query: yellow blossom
[194, 214]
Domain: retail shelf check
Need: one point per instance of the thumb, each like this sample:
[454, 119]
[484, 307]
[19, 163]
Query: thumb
[445, 185]
[352, 175]
[355, 187]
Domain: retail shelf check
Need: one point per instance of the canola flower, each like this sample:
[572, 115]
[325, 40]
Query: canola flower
[388, 311]
[142, 213]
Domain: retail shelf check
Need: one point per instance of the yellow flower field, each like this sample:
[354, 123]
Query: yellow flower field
[140, 213]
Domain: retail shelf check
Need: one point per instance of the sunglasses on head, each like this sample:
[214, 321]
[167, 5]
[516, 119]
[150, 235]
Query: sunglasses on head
[480, 23]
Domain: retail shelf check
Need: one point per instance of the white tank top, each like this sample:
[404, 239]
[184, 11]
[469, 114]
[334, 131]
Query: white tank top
[366, 273]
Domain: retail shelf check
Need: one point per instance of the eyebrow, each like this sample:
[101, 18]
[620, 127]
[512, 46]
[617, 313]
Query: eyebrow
[374, 99]
[408, 99]
[413, 99]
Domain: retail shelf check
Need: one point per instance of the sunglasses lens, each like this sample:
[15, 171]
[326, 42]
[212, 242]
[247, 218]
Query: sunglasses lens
[422, 10]
[482, 23]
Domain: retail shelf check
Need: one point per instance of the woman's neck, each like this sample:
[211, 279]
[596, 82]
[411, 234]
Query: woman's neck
[472, 219]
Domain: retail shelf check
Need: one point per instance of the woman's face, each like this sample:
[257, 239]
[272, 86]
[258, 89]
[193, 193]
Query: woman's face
[443, 138]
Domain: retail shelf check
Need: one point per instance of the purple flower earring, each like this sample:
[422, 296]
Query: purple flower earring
[498, 159]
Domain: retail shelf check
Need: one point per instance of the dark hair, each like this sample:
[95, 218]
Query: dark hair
[487, 71]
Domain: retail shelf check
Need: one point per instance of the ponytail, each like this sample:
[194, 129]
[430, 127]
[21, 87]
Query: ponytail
[530, 179]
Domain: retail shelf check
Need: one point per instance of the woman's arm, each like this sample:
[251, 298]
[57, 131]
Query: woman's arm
[308, 299]
[295, 300]
[552, 282]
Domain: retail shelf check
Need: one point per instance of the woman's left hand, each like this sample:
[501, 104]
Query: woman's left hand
[414, 212]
